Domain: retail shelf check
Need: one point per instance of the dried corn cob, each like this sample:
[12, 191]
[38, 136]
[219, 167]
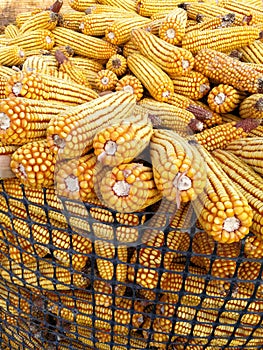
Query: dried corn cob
[84, 45]
[81, 5]
[23, 119]
[178, 170]
[128, 188]
[106, 80]
[12, 55]
[245, 9]
[177, 61]
[150, 7]
[129, 48]
[71, 19]
[128, 5]
[192, 84]
[5, 157]
[252, 107]
[87, 64]
[117, 64]
[122, 142]
[227, 70]
[156, 81]
[6, 72]
[119, 32]
[42, 39]
[11, 31]
[257, 132]
[100, 8]
[253, 247]
[42, 20]
[3, 82]
[222, 39]
[38, 87]
[222, 209]
[88, 119]
[172, 28]
[38, 64]
[213, 23]
[224, 98]
[221, 135]
[213, 117]
[24, 16]
[247, 181]
[131, 84]
[253, 52]
[250, 150]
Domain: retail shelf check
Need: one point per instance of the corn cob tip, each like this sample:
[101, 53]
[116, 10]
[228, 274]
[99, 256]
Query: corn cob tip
[196, 125]
[199, 112]
[56, 6]
[183, 5]
[236, 54]
[228, 19]
[60, 57]
[259, 104]
[248, 124]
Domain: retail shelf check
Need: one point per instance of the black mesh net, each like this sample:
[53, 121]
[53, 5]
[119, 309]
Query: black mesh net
[80, 276]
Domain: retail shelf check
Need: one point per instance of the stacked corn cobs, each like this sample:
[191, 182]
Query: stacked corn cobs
[120, 121]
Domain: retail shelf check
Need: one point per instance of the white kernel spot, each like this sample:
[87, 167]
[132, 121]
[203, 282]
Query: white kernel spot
[166, 94]
[21, 53]
[111, 35]
[105, 81]
[17, 88]
[121, 188]
[231, 224]
[110, 148]
[171, 34]
[203, 88]
[4, 121]
[21, 169]
[182, 182]
[48, 39]
[128, 88]
[58, 141]
[72, 183]
[81, 26]
[220, 98]
[185, 64]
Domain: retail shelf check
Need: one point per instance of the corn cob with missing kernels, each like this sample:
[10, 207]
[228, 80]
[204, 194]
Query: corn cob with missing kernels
[130, 84]
[12, 55]
[172, 27]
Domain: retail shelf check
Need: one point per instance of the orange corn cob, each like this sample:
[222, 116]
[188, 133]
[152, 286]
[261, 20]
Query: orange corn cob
[222, 209]
[38, 87]
[42, 20]
[250, 150]
[42, 39]
[12, 55]
[227, 70]
[106, 80]
[71, 19]
[192, 84]
[177, 61]
[176, 173]
[88, 119]
[224, 98]
[11, 31]
[252, 107]
[3, 82]
[117, 64]
[253, 52]
[155, 80]
[172, 28]
[131, 84]
[81, 5]
[248, 183]
[84, 45]
[253, 247]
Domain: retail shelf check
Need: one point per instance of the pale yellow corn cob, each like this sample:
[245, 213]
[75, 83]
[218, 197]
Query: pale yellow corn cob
[252, 107]
[12, 55]
[11, 31]
[100, 8]
[24, 16]
[151, 7]
[41, 39]
[39, 64]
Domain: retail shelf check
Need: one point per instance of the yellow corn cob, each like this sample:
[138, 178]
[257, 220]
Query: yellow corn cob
[155, 80]
[106, 80]
[23, 119]
[252, 53]
[70, 19]
[172, 59]
[172, 28]
[252, 107]
[222, 39]
[117, 64]
[119, 32]
[131, 84]
[245, 9]
[253, 247]
[42, 20]
[12, 55]
[3, 82]
[128, 5]
[176, 173]
[128, 188]
[257, 132]
[247, 181]
[250, 150]
[99, 8]
[42, 39]
[228, 117]
[87, 64]
[192, 84]
[6, 72]
[159, 16]
[11, 31]
[227, 70]
[151, 7]
[221, 135]
[97, 23]
[212, 23]
[84, 45]
[122, 142]
[212, 119]
[224, 98]
[24, 16]
[38, 87]
[81, 5]
[39, 64]
[87, 119]
[34, 164]
[129, 48]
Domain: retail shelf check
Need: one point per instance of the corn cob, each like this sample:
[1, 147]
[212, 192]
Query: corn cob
[128, 5]
[131, 84]
[6, 72]
[252, 107]
[106, 80]
[245, 9]
[177, 61]
[88, 118]
[221, 135]
[24, 16]
[172, 28]
[192, 84]
[81, 5]
[250, 150]
[117, 64]
[129, 48]
[227, 70]
[87, 64]
[12, 55]
[38, 64]
[119, 32]
[42, 20]
[176, 173]
[253, 52]
[124, 141]
[224, 98]
[257, 132]
[3, 82]
[149, 8]
[253, 247]
[155, 80]
[38, 87]
[70, 19]
[84, 45]
[97, 23]
[23, 119]
[247, 181]
[213, 117]
[11, 31]
[42, 39]
[222, 39]
[100, 8]
[213, 23]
